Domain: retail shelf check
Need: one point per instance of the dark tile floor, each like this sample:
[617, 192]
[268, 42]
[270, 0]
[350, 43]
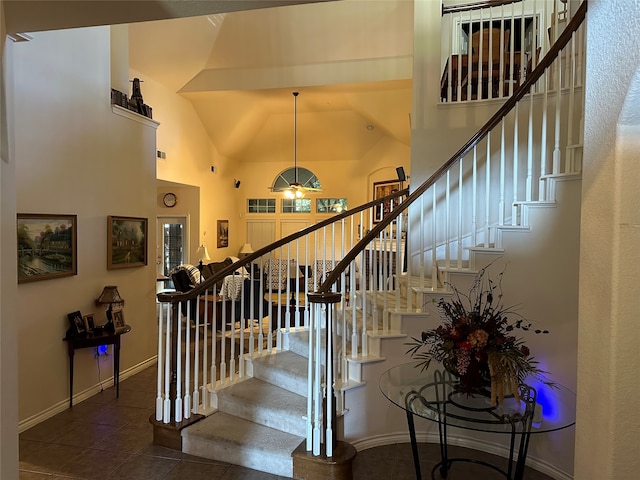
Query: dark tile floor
[109, 438]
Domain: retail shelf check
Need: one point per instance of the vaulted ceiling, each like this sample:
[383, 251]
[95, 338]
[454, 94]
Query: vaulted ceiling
[351, 61]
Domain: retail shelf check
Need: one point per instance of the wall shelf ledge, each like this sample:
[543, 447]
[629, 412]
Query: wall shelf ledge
[123, 112]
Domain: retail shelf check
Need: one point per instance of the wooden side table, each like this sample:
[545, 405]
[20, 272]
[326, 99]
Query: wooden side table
[95, 340]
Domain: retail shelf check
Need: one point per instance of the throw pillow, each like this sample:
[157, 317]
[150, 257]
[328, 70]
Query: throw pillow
[192, 271]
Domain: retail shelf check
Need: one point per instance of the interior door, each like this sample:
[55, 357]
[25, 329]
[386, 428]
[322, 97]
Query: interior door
[172, 244]
[260, 233]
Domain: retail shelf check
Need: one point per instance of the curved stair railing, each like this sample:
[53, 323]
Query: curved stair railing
[208, 335]
[472, 188]
[344, 279]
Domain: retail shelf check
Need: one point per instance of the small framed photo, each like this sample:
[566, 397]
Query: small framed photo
[77, 323]
[89, 322]
[118, 319]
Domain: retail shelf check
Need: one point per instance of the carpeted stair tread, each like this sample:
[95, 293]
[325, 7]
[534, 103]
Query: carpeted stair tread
[266, 404]
[231, 439]
[299, 342]
[285, 369]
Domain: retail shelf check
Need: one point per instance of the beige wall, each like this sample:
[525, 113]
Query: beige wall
[608, 423]
[189, 157]
[73, 155]
[8, 335]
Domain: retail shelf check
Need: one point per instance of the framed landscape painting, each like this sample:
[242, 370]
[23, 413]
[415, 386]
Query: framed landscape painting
[126, 242]
[47, 246]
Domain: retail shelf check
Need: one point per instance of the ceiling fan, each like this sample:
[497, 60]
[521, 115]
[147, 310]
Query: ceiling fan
[297, 189]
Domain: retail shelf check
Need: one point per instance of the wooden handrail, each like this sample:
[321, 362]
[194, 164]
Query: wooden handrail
[495, 120]
[202, 287]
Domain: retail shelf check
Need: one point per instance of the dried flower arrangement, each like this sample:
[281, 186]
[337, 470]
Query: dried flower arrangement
[476, 341]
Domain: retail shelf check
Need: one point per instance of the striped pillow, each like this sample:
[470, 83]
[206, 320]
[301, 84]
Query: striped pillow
[192, 271]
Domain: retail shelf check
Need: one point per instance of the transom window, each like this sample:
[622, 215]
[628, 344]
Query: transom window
[305, 177]
[261, 205]
[331, 205]
[296, 205]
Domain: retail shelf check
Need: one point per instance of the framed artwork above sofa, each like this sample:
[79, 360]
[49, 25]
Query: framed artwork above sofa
[223, 233]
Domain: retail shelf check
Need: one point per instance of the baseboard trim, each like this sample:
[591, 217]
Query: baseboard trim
[63, 405]
[491, 448]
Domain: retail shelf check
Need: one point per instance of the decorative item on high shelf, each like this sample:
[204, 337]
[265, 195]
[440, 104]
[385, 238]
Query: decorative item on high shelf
[119, 98]
[135, 103]
[475, 342]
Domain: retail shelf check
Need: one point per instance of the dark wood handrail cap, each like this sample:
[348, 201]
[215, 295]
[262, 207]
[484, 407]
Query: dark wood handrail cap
[324, 297]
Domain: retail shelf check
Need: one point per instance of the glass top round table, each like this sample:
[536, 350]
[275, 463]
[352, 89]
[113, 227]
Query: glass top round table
[431, 394]
[415, 390]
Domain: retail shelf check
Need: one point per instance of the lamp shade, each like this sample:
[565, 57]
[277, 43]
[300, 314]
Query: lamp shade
[245, 250]
[110, 296]
[202, 253]
[294, 270]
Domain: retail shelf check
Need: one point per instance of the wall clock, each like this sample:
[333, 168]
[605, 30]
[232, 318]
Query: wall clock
[169, 200]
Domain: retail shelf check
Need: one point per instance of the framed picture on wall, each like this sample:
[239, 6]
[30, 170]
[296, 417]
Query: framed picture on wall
[126, 242]
[223, 233]
[382, 189]
[47, 246]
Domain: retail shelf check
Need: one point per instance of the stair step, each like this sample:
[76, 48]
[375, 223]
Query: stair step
[285, 369]
[299, 342]
[266, 404]
[230, 439]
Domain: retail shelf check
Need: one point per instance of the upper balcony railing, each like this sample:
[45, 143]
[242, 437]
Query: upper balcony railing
[489, 48]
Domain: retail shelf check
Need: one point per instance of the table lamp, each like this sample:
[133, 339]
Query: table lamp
[110, 296]
[294, 275]
[202, 255]
[245, 251]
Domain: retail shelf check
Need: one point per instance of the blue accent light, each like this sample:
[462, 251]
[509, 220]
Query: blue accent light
[102, 349]
[550, 410]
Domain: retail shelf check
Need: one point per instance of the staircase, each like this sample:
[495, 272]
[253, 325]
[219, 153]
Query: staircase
[257, 396]
[260, 421]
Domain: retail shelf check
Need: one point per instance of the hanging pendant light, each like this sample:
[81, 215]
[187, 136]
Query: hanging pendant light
[295, 189]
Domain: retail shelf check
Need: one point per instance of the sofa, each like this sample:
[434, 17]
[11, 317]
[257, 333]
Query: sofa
[185, 277]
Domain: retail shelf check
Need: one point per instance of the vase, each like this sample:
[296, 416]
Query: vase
[475, 381]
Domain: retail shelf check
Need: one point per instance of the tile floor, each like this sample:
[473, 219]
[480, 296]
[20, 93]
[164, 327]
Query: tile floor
[109, 438]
